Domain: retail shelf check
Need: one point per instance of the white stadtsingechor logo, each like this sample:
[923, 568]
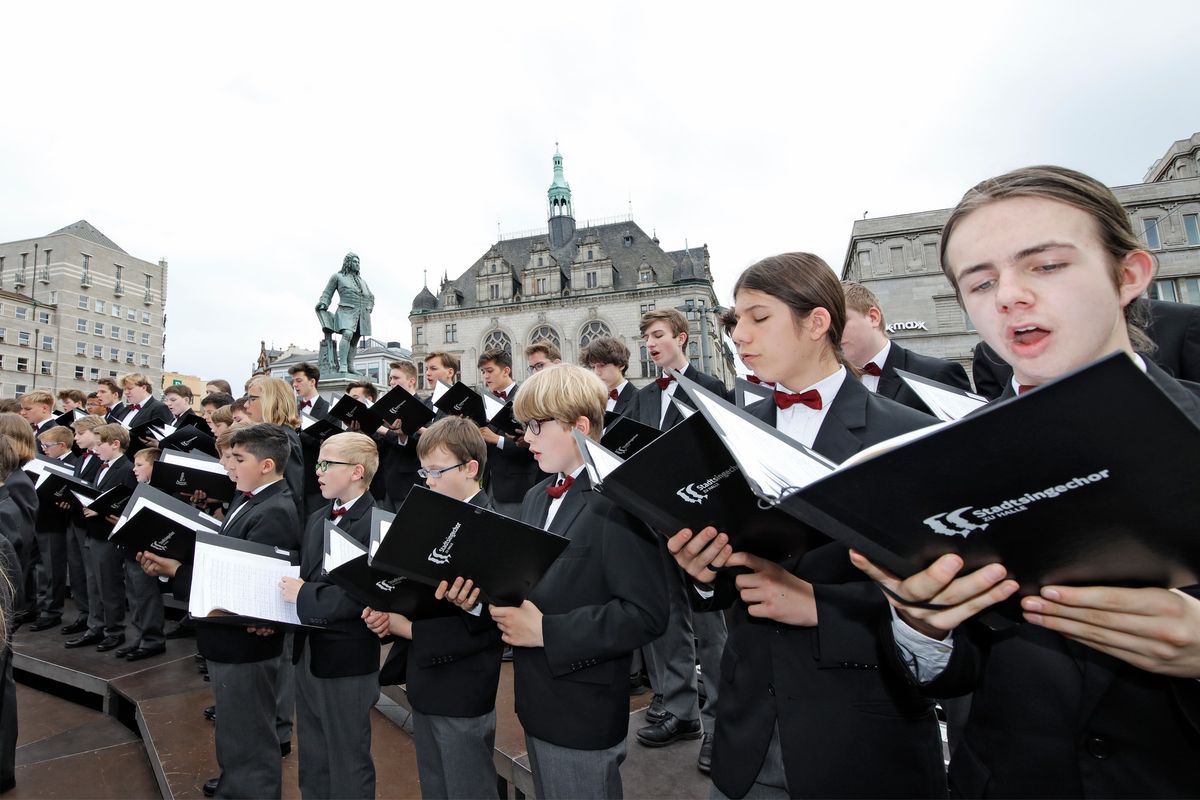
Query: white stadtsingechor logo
[698, 492]
[181, 480]
[161, 544]
[956, 523]
[389, 584]
[442, 554]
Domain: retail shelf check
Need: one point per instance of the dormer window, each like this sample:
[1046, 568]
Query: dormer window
[589, 255]
[628, 241]
[646, 276]
[541, 261]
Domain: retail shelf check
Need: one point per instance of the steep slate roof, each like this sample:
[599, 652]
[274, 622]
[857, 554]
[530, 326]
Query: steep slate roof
[84, 230]
[626, 261]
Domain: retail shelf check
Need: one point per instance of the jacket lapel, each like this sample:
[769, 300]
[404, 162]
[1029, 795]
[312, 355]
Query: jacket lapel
[847, 413]
[572, 503]
[889, 381]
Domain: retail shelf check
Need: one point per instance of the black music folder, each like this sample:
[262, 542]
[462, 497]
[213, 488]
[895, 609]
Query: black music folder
[189, 439]
[181, 473]
[320, 429]
[347, 565]
[111, 502]
[624, 436]
[747, 393]
[67, 419]
[399, 404]
[484, 409]
[236, 582]
[150, 432]
[947, 403]
[154, 521]
[350, 409]
[444, 538]
[1057, 485]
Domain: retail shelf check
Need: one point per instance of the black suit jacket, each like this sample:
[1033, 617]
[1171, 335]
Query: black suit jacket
[119, 473]
[511, 470]
[51, 518]
[891, 386]
[20, 520]
[189, 417]
[268, 518]
[1054, 718]
[452, 664]
[310, 449]
[87, 468]
[346, 645]
[649, 400]
[44, 425]
[399, 464]
[627, 401]
[836, 710]
[116, 413]
[602, 599]
[151, 410]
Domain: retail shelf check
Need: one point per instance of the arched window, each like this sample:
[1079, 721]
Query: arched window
[591, 332]
[544, 333]
[497, 340]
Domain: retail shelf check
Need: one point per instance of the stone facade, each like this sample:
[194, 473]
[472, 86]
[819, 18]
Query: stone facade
[570, 285]
[897, 257]
[75, 307]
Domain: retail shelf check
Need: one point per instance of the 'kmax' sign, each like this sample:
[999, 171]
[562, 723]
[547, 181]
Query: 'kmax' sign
[915, 325]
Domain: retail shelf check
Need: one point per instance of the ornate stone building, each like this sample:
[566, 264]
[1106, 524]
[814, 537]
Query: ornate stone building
[897, 257]
[570, 285]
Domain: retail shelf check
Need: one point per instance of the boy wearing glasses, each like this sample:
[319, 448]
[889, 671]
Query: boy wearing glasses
[602, 599]
[452, 664]
[511, 470]
[337, 674]
[540, 355]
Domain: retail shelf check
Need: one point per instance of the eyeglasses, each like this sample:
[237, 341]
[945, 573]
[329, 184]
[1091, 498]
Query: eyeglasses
[538, 367]
[534, 426]
[437, 473]
[250, 397]
[323, 466]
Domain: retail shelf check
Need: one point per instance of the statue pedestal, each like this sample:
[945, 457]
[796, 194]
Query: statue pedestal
[332, 387]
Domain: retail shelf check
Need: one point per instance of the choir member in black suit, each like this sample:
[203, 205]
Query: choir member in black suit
[867, 346]
[12, 520]
[601, 600]
[1098, 695]
[178, 400]
[398, 448]
[337, 665]
[451, 664]
[36, 408]
[511, 470]
[675, 712]
[244, 663]
[88, 625]
[52, 521]
[109, 393]
[140, 405]
[304, 382]
[804, 706]
[19, 487]
[608, 357]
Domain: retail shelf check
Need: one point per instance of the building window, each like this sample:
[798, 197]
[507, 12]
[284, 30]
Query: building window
[593, 280]
[3, 334]
[931, 256]
[646, 276]
[589, 255]
[84, 302]
[1152, 239]
[451, 333]
[43, 317]
[628, 240]
[1191, 227]
[145, 317]
[949, 313]
[114, 331]
[47, 342]
[694, 354]
[116, 310]
[145, 360]
[145, 340]
[45, 368]
[592, 331]
[896, 255]
[81, 325]
[1164, 290]
[118, 288]
[23, 338]
[98, 329]
[22, 364]
[21, 312]
[147, 274]
[100, 306]
[97, 351]
[78, 373]
[87, 265]
[864, 259]
[541, 261]
[94, 373]
[497, 340]
[494, 291]
[130, 335]
[648, 368]
[131, 314]
[128, 356]
[54, 297]
[114, 354]
[80, 348]
[544, 333]
[647, 307]
[419, 335]
[541, 286]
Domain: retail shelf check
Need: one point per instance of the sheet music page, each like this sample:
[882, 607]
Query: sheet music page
[163, 431]
[891, 444]
[603, 461]
[948, 406]
[240, 583]
[438, 390]
[384, 527]
[83, 501]
[776, 466]
[682, 407]
[192, 462]
[341, 549]
[491, 406]
[306, 421]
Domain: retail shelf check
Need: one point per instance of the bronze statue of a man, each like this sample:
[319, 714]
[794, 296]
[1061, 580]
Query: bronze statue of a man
[353, 317]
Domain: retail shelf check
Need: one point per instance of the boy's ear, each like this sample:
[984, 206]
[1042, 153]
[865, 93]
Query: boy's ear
[472, 468]
[583, 425]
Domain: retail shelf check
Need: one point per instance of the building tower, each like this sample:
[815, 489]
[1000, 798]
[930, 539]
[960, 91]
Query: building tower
[562, 216]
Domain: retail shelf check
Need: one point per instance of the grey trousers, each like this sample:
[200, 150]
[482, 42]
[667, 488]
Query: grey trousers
[247, 749]
[285, 692]
[52, 591]
[561, 772]
[334, 716]
[77, 573]
[671, 658]
[144, 593]
[454, 756]
[108, 568]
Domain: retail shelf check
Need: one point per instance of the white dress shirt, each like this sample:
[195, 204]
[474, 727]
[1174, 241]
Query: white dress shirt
[610, 404]
[801, 422]
[253, 493]
[880, 358]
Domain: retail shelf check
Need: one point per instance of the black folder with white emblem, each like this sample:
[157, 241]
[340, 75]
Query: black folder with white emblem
[181, 473]
[158, 523]
[399, 404]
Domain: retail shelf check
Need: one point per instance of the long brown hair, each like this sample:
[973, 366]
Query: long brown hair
[803, 282]
[1079, 191]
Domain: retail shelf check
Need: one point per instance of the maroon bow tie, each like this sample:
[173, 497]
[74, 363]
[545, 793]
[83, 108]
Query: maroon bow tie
[1022, 388]
[501, 393]
[754, 379]
[811, 398]
[872, 369]
[558, 491]
[664, 381]
[248, 495]
[91, 452]
[105, 466]
[613, 394]
[34, 426]
[337, 512]
[134, 407]
[306, 404]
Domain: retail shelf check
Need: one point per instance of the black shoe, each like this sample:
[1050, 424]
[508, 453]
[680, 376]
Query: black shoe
[110, 643]
[181, 632]
[656, 712]
[145, 652]
[285, 749]
[45, 623]
[78, 626]
[85, 640]
[704, 762]
[636, 686]
[22, 617]
[670, 730]
[210, 787]
[121, 652]
[210, 713]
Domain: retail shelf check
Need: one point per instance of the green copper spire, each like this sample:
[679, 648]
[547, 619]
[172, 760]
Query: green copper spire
[560, 191]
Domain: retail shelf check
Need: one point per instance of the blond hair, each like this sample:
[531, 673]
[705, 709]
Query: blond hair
[861, 299]
[356, 448]
[457, 436]
[113, 432]
[14, 428]
[222, 415]
[277, 401]
[563, 392]
[137, 379]
[89, 423]
[57, 434]
[37, 396]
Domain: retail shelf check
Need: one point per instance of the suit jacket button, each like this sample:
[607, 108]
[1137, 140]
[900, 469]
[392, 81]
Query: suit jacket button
[771, 689]
[1099, 747]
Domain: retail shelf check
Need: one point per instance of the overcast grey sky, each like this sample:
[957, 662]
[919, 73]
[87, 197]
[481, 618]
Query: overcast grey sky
[253, 144]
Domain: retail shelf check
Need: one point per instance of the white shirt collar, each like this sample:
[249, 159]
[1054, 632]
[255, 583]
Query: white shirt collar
[881, 357]
[827, 387]
[346, 505]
